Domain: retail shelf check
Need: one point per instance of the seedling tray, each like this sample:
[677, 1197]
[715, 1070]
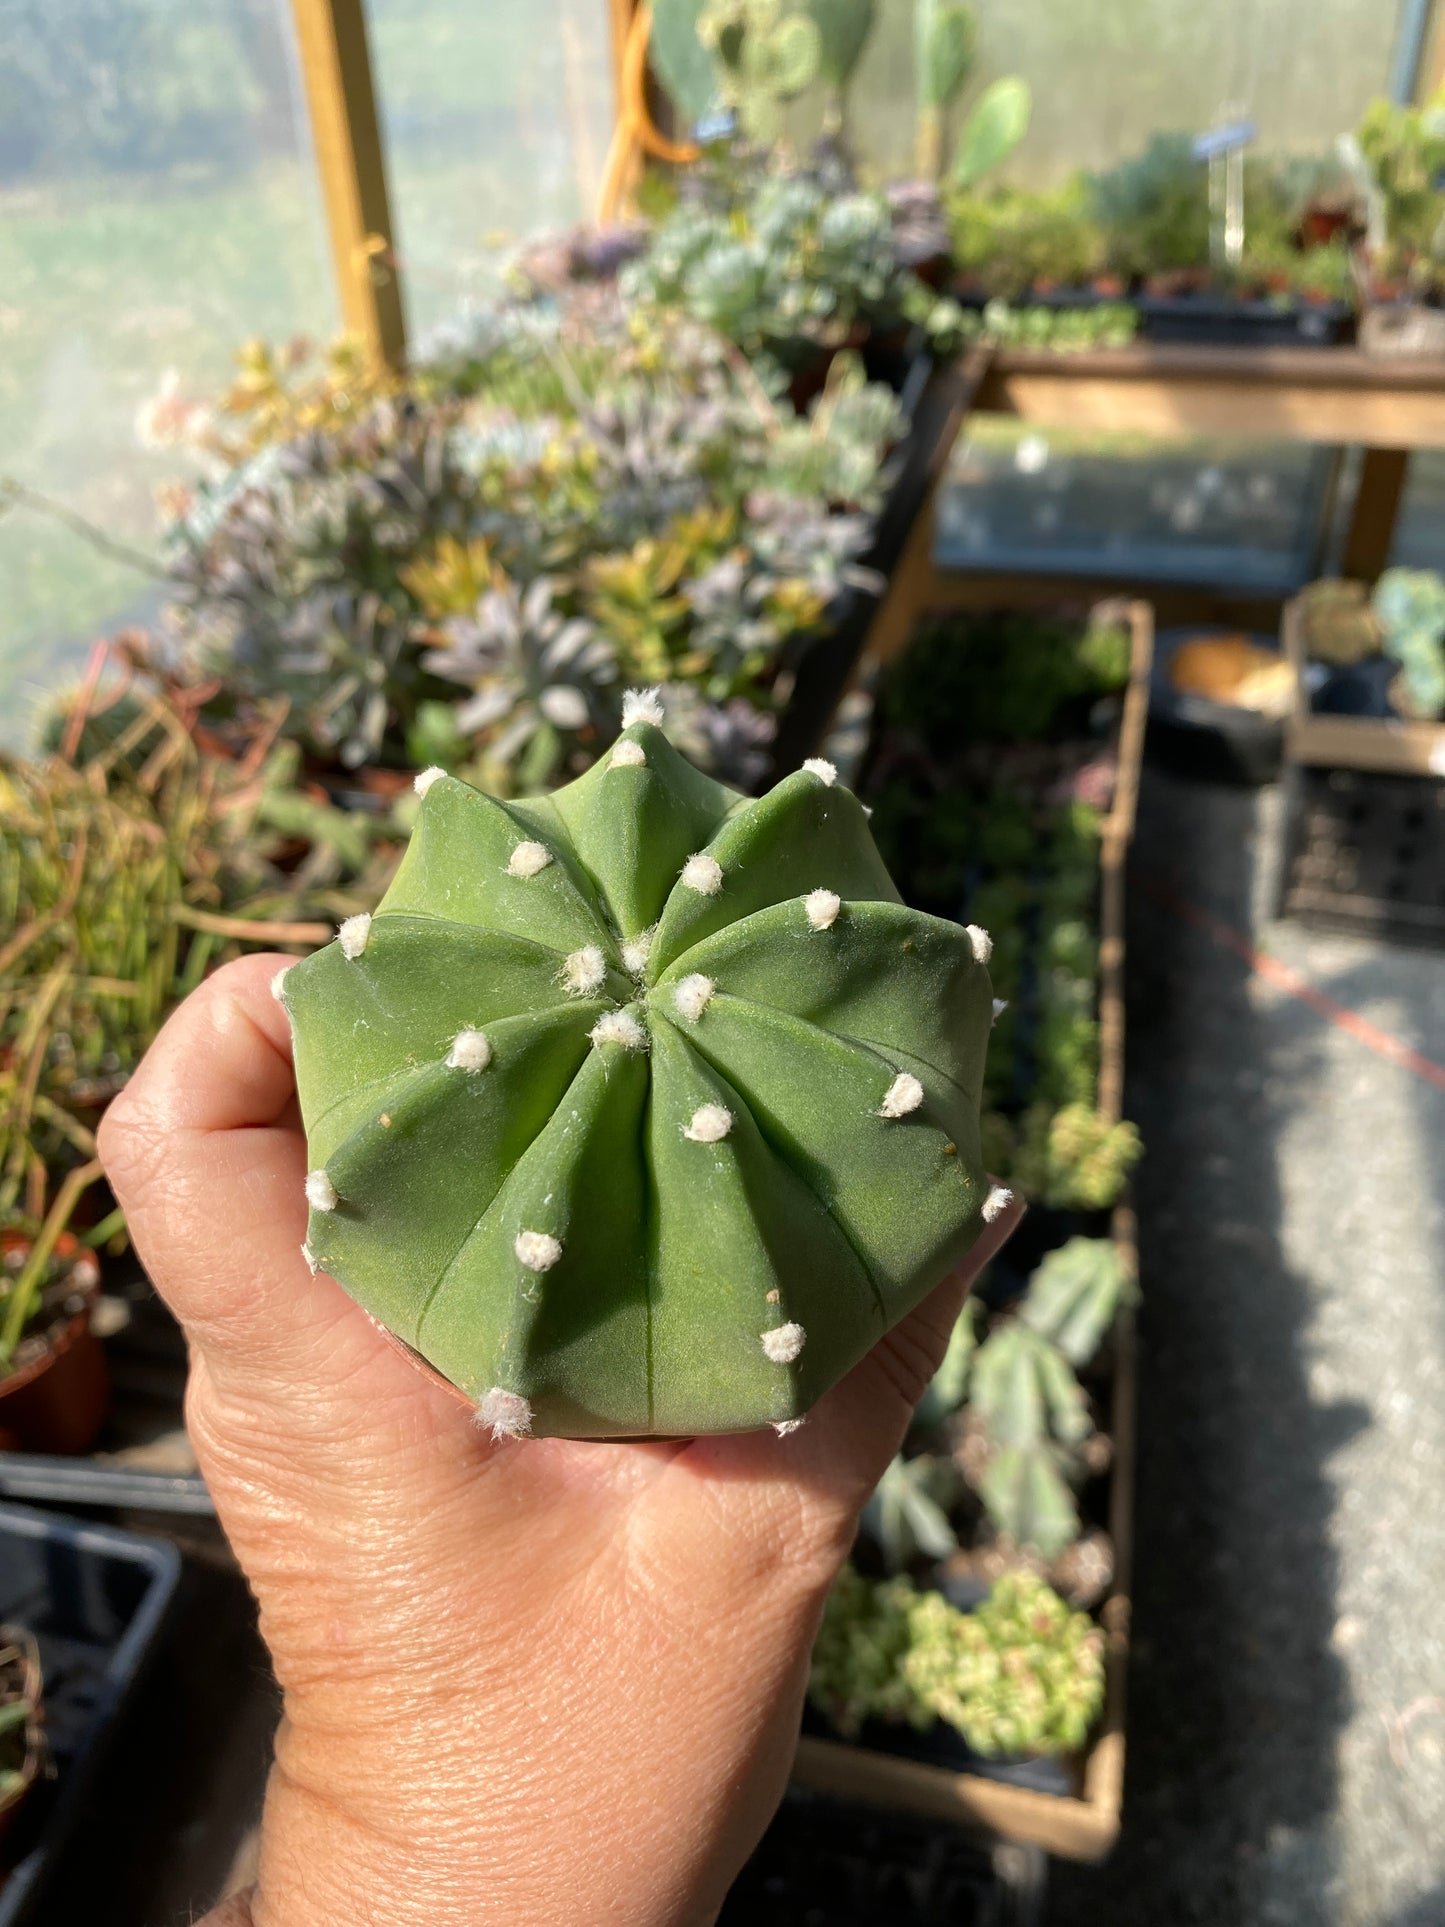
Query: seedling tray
[95, 1600]
[1364, 852]
[1081, 1822]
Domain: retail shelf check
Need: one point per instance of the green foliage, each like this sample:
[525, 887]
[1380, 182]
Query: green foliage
[542, 1170]
[125, 865]
[1028, 1405]
[949, 1386]
[1409, 605]
[683, 65]
[1062, 331]
[556, 505]
[1021, 1675]
[785, 266]
[1154, 209]
[946, 42]
[996, 124]
[844, 30]
[1072, 1158]
[1404, 150]
[1075, 1296]
[764, 56]
[1011, 240]
[906, 1515]
[999, 678]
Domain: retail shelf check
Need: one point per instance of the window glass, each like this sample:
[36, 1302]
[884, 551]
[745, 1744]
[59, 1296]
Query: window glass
[1109, 74]
[497, 116]
[158, 206]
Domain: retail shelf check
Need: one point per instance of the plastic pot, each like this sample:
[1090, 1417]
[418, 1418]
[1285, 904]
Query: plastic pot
[58, 1402]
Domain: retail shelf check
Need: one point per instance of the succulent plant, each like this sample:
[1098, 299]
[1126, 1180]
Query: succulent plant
[945, 35]
[997, 122]
[1075, 1296]
[765, 58]
[844, 29]
[783, 265]
[641, 1109]
[683, 65]
[1073, 1158]
[1410, 607]
[907, 1515]
[1020, 1675]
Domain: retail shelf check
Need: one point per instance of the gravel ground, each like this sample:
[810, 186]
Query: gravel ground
[1287, 1716]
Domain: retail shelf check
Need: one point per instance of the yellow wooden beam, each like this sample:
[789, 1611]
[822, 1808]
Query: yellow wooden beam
[336, 62]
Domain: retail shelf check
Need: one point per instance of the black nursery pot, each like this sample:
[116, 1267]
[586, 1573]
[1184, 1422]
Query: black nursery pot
[1356, 689]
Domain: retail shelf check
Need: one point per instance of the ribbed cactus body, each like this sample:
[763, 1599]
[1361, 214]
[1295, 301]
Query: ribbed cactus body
[642, 1108]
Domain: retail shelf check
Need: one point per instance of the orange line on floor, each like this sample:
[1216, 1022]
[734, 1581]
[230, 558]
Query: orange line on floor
[1285, 977]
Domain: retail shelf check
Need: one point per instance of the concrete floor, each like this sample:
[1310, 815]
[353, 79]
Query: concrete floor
[1287, 1715]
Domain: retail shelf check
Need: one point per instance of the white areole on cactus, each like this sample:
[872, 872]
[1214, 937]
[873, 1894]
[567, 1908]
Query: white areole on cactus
[643, 1108]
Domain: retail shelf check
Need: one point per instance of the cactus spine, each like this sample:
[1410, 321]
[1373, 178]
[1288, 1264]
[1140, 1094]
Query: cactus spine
[643, 1138]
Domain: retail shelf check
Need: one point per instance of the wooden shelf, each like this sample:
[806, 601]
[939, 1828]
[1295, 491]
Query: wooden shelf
[1329, 395]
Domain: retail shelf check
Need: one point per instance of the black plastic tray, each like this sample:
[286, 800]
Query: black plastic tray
[95, 1599]
[1364, 853]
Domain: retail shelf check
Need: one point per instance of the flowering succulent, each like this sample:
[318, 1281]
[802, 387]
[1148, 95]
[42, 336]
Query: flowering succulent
[642, 1109]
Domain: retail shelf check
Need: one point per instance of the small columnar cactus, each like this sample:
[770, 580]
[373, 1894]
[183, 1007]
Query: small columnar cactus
[642, 1108]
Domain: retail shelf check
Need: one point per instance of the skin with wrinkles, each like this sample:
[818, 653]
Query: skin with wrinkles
[501, 1074]
[554, 1684]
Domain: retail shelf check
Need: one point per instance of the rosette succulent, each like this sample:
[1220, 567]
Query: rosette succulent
[642, 1108]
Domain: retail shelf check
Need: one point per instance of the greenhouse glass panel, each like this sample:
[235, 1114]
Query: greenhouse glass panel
[1107, 76]
[496, 119]
[158, 206]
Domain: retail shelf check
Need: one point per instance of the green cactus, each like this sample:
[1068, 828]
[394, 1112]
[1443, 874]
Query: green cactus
[906, 1514]
[996, 124]
[765, 58]
[945, 36]
[1075, 1296]
[844, 28]
[682, 63]
[642, 1109]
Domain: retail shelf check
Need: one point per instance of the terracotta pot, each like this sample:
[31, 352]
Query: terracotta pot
[58, 1402]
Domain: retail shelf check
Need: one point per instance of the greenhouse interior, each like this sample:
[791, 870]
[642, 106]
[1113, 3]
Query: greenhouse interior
[855, 589]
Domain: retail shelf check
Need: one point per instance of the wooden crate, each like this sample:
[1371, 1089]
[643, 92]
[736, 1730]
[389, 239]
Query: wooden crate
[1388, 744]
[1085, 1824]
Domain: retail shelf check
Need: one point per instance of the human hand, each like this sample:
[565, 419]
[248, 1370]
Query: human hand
[547, 1683]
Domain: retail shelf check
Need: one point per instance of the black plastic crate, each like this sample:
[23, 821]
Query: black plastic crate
[94, 1599]
[1365, 852]
[824, 1863]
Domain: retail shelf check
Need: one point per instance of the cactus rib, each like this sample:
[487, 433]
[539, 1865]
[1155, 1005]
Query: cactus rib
[656, 1134]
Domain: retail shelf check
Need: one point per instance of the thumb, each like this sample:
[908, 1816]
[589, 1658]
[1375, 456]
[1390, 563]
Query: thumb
[205, 1153]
